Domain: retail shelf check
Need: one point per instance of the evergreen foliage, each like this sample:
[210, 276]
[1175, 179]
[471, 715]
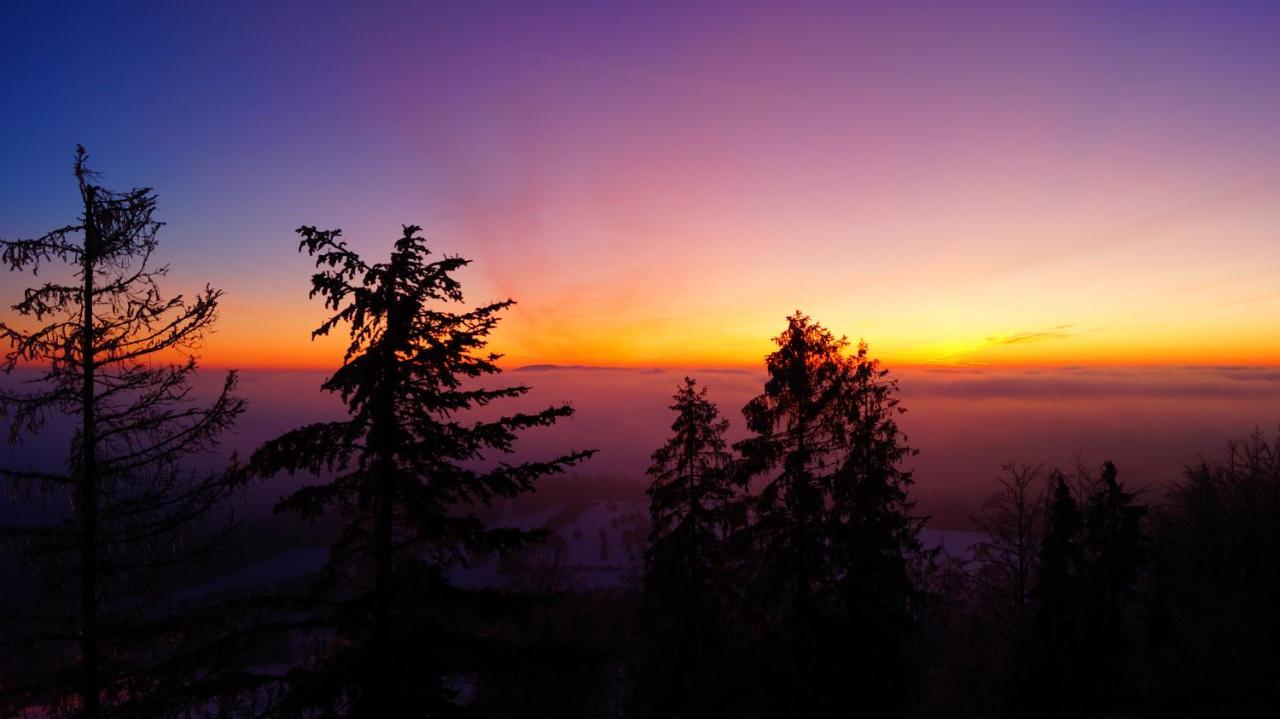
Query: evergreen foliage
[685, 616]
[405, 471]
[832, 530]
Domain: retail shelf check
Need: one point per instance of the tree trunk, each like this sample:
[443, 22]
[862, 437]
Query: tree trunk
[385, 691]
[90, 665]
[799, 649]
[382, 591]
[695, 593]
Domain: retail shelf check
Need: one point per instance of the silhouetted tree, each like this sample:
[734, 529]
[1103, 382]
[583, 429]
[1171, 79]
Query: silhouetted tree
[1088, 576]
[1058, 593]
[684, 615]
[798, 432]
[405, 472]
[109, 351]
[1011, 519]
[1005, 568]
[1115, 548]
[832, 527]
[1215, 599]
[984, 604]
[875, 538]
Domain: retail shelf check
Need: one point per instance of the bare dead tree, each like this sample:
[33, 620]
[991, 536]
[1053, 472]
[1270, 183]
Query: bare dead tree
[107, 349]
[1012, 520]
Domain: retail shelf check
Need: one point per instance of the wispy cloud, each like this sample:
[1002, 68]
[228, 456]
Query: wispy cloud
[587, 368]
[1214, 383]
[1052, 333]
[973, 356]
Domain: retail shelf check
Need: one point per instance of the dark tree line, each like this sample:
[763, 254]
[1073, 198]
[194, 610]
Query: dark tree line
[1087, 597]
[771, 566]
[1214, 600]
[1090, 598]
[1089, 562]
[784, 574]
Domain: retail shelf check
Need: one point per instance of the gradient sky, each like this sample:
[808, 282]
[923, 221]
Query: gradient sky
[1013, 183]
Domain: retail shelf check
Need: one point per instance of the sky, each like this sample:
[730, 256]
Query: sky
[1015, 185]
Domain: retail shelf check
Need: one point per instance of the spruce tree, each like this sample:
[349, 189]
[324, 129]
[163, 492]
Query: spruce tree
[405, 471]
[1058, 592]
[684, 627]
[1114, 551]
[1089, 564]
[875, 539]
[832, 525]
[105, 348]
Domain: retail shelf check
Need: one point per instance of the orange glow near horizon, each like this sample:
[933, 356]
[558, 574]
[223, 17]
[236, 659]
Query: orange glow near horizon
[652, 345]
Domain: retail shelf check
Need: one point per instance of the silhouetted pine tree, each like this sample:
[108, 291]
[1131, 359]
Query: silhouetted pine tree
[1089, 565]
[404, 471]
[684, 617]
[875, 538]
[1115, 548]
[1058, 594]
[111, 353]
[832, 526]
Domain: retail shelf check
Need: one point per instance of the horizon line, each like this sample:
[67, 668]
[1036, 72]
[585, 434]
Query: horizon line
[759, 366]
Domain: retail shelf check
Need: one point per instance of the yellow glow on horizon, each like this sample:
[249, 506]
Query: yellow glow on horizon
[691, 346]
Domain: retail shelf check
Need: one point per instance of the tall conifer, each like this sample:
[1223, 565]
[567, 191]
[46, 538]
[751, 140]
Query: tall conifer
[117, 357]
[832, 523]
[405, 470]
[684, 617]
